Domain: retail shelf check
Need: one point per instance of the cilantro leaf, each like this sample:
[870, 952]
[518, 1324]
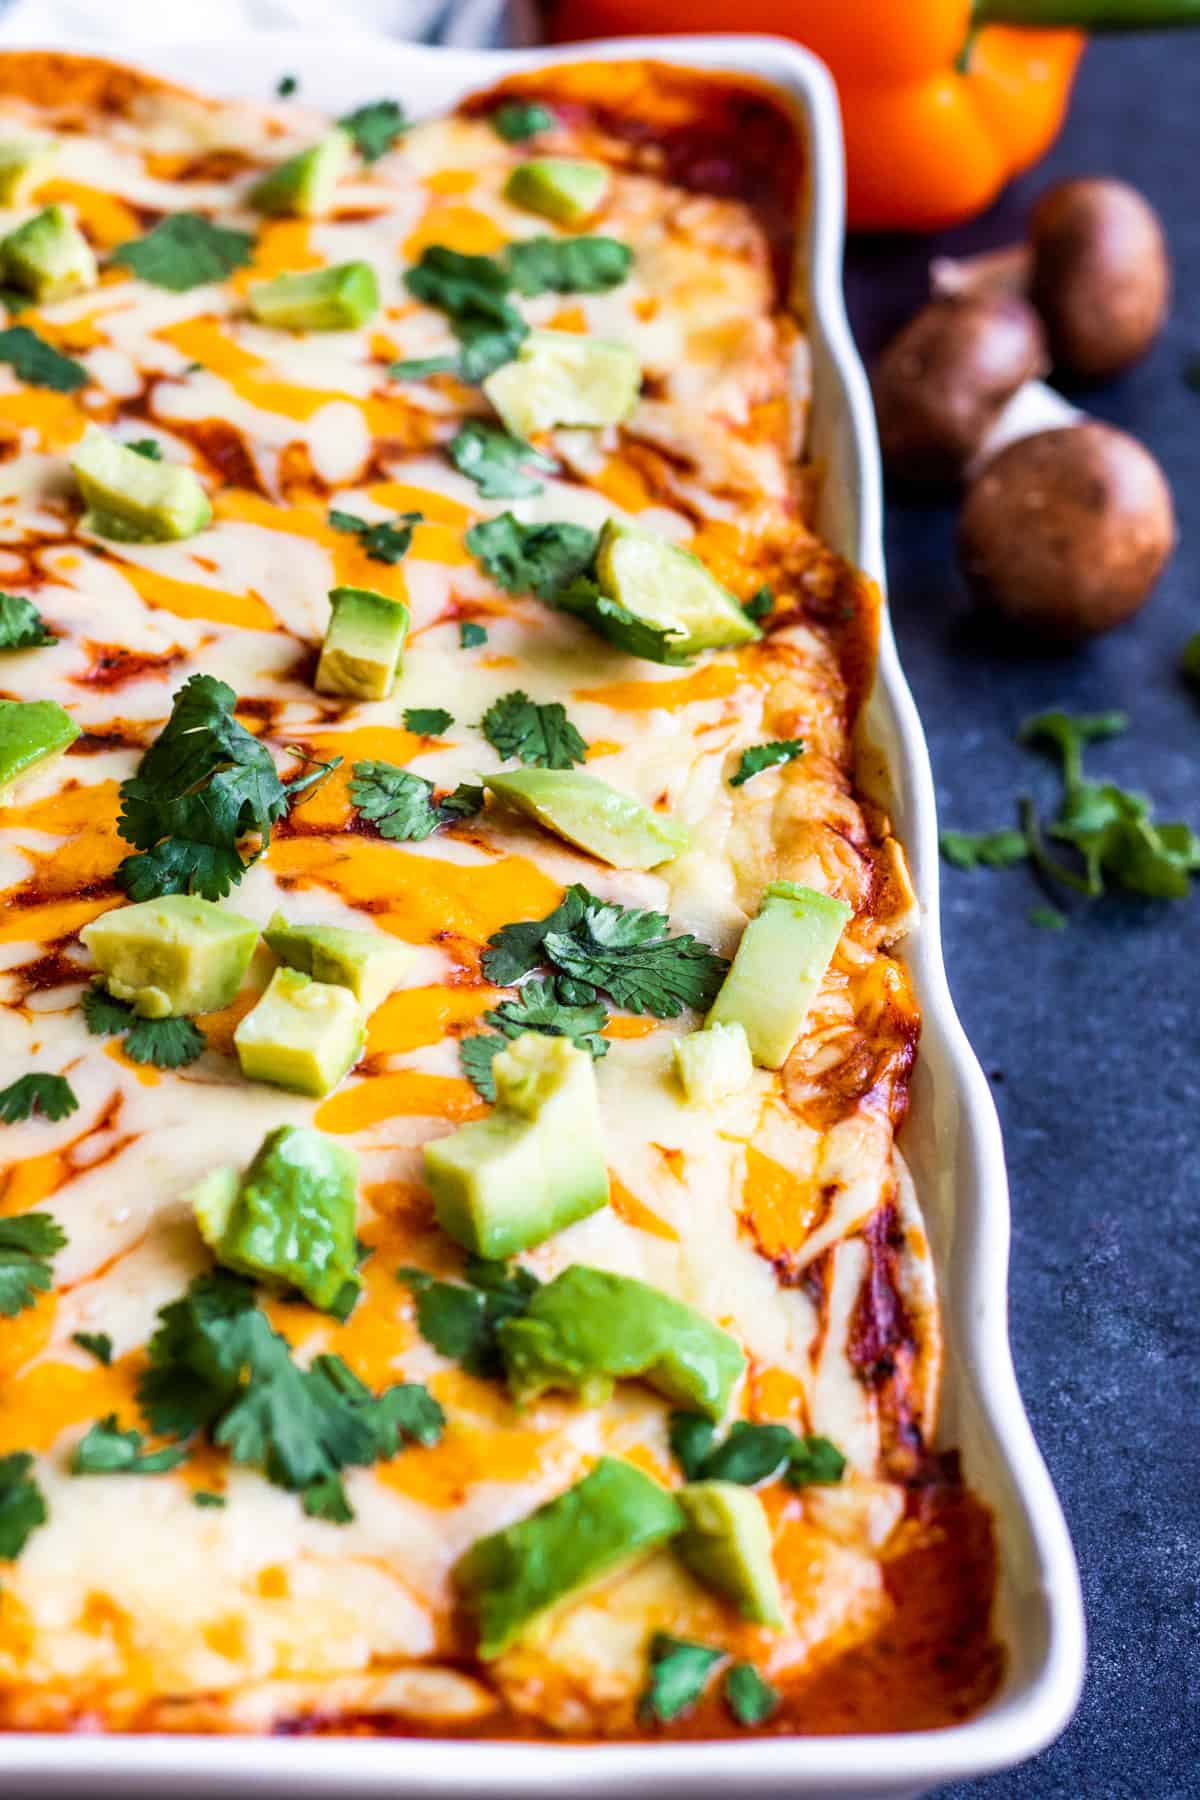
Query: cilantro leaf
[760, 605]
[204, 784]
[150, 448]
[1190, 660]
[573, 265]
[415, 368]
[471, 634]
[516, 950]
[1047, 918]
[202, 1497]
[375, 127]
[50, 1095]
[286, 86]
[217, 1365]
[627, 630]
[106, 1450]
[540, 735]
[531, 559]
[96, 1343]
[752, 1453]
[496, 461]
[679, 1674]
[429, 721]
[21, 624]
[170, 1043]
[749, 1698]
[185, 250]
[326, 1499]
[476, 1054]
[104, 1016]
[987, 849]
[402, 805]
[461, 1322]
[1069, 736]
[765, 756]
[22, 1507]
[536, 1007]
[517, 120]
[28, 1244]
[385, 542]
[33, 360]
[472, 292]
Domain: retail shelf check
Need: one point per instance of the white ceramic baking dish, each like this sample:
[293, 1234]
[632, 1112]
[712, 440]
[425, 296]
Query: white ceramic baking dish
[952, 1139]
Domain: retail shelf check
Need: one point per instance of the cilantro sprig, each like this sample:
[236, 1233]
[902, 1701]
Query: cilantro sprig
[461, 1322]
[185, 250]
[375, 127]
[202, 786]
[50, 1095]
[765, 756]
[33, 360]
[596, 947]
[107, 1450]
[386, 541]
[164, 1043]
[535, 1007]
[22, 626]
[497, 462]
[28, 1245]
[751, 1453]
[22, 1505]
[539, 734]
[402, 805]
[218, 1367]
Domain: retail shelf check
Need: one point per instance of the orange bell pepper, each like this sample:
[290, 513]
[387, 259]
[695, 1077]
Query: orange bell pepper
[942, 100]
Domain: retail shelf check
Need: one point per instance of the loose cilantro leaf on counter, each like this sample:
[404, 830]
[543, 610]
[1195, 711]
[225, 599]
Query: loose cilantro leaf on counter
[150, 448]
[573, 265]
[165, 1043]
[96, 1343]
[375, 127]
[21, 624]
[185, 250]
[286, 86]
[217, 1365]
[986, 849]
[596, 947]
[1190, 660]
[749, 1698]
[540, 735]
[496, 461]
[429, 721]
[50, 1095]
[106, 1450]
[403, 805]
[203, 785]
[1070, 735]
[765, 756]
[471, 635]
[472, 292]
[28, 1245]
[531, 559]
[385, 542]
[517, 120]
[461, 1322]
[679, 1674]
[536, 1007]
[33, 360]
[22, 1506]
[760, 605]
[752, 1453]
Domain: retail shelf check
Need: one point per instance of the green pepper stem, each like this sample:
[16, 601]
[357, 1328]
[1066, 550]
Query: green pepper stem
[1089, 15]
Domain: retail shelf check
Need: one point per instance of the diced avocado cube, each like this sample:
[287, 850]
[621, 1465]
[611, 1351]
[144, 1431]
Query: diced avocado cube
[535, 1165]
[48, 256]
[133, 498]
[303, 186]
[726, 1544]
[30, 732]
[302, 1035]
[173, 955]
[614, 1517]
[587, 1329]
[317, 299]
[565, 378]
[587, 812]
[370, 965]
[714, 1063]
[567, 189]
[670, 588]
[364, 644]
[24, 164]
[780, 964]
[290, 1219]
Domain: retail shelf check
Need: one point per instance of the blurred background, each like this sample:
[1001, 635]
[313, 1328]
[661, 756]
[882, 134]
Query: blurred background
[1083, 1008]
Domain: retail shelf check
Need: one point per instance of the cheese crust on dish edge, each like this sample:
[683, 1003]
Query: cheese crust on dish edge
[781, 1213]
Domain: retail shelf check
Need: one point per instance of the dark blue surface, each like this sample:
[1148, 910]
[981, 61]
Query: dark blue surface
[1091, 1036]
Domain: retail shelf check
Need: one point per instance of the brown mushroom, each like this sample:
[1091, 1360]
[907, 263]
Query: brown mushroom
[1065, 532]
[1101, 274]
[942, 383]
